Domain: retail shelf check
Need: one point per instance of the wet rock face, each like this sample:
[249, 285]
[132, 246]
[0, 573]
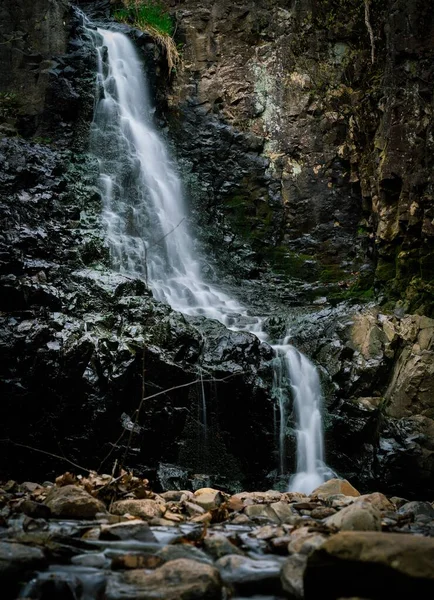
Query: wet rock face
[80, 345]
[378, 384]
[305, 150]
[32, 33]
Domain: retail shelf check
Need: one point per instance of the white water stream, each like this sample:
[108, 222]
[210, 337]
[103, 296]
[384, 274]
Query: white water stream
[147, 232]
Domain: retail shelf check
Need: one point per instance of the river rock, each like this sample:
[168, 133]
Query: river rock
[181, 579]
[378, 500]
[248, 576]
[73, 502]
[208, 498]
[130, 530]
[262, 512]
[360, 516]
[292, 575]
[219, 545]
[371, 565]
[17, 559]
[145, 509]
[177, 551]
[417, 509]
[335, 486]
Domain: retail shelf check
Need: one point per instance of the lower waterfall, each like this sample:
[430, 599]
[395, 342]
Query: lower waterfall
[145, 219]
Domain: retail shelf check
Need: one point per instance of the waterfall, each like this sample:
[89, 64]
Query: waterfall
[148, 236]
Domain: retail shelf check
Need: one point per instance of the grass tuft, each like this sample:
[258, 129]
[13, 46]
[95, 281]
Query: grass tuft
[151, 16]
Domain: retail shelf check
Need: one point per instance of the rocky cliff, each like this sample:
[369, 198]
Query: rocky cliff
[305, 145]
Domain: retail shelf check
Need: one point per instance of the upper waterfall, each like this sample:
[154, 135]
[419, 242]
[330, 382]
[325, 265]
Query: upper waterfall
[148, 235]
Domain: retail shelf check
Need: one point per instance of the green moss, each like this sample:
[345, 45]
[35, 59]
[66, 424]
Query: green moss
[332, 273]
[145, 14]
[385, 270]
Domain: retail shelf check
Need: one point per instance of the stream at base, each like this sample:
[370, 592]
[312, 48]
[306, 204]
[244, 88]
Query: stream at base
[146, 227]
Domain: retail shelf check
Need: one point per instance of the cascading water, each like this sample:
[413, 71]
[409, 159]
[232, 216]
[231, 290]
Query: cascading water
[148, 236]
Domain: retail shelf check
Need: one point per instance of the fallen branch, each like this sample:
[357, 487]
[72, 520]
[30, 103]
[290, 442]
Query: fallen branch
[48, 453]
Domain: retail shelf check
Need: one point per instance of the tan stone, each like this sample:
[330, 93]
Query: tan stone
[283, 510]
[181, 579]
[145, 509]
[73, 502]
[259, 497]
[360, 516]
[335, 486]
[262, 511]
[377, 500]
[208, 498]
[411, 390]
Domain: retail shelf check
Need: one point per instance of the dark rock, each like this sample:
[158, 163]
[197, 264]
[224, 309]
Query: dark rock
[417, 510]
[176, 551]
[181, 579]
[371, 565]
[131, 530]
[250, 576]
[292, 575]
[36, 510]
[17, 561]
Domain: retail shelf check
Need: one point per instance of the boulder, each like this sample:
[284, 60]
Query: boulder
[417, 510]
[219, 545]
[145, 509]
[130, 530]
[371, 565]
[249, 576]
[335, 486]
[181, 579]
[292, 574]
[17, 559]
[360, 516]
[208, 498]
[73, 502]
[262, 512]
[379, 501]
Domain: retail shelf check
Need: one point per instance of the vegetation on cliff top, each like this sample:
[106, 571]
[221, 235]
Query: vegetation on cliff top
[151, 16]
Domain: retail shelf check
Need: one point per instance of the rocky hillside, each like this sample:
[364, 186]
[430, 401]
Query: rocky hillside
[305, 145]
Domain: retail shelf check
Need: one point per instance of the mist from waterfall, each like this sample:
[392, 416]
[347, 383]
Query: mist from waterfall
[147, 232]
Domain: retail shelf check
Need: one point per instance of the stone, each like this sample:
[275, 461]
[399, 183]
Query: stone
[283, 510]
[96, 560]
[194, 509]
[377, 500]
[135, 561]
[176, 551]
[129, 530]
[249, 576]
[219, 545]
[306, 544]
[145, 509]
[260, 497]
[322, 512]
[17, 559]
[208, 498]
[360, 516]
[175, 495]
[417, 509]
[335, 486]
[73, 502]
[181, 579]
[262, 512]
[36, 510]
[371, 565]
[292, 575]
